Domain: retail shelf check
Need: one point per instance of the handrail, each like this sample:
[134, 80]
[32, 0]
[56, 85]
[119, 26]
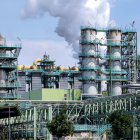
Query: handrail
[96, 67]
[97, 54]
[106, 78]
[107, 43]
[108, 28]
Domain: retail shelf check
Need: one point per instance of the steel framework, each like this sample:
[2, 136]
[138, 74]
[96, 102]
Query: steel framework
[88, 115]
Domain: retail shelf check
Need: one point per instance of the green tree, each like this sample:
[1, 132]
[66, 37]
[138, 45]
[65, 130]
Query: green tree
[3, 133]
[60, 125]
[121, 123]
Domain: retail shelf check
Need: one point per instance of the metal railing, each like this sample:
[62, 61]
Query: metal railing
[107, 43]
[107, 71]
[86, 127]
[109, 28]
[107, 78]
[8, 55]
[10, 96]
[8, 65]
[10, 85]
[97, 54]
[12, 45]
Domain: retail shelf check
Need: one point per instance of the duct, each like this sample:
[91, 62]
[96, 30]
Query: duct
[34, 66]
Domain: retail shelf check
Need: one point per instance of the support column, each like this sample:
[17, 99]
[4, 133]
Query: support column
[35, 126]
[49, 136]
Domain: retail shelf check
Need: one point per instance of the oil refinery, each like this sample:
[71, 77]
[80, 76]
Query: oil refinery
[34, 94]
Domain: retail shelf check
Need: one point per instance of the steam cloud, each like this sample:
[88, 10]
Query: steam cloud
[71, 15]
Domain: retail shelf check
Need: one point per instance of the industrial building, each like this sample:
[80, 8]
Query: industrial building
[42, 89]
[44, 74]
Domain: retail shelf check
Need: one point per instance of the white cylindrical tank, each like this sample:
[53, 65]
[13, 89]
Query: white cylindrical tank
[88, 34]
[89, 74]
[88, 49]
[116, 65]
[116, 51]
[116, 88]
[114, 37]
[89, 62]
[89, 86]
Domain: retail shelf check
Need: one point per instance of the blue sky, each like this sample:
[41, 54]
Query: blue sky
[126, 11]
[36, 31]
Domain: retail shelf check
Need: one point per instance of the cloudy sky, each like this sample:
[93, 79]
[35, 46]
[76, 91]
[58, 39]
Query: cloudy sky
[53, 26]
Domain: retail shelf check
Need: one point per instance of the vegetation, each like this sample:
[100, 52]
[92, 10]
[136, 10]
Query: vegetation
[121, 123]
[77, 94]
[60, 125]
[105, 93]
[3, 133]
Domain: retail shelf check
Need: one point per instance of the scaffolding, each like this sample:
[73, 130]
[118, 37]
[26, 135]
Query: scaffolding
[90, 115]
[8, 70]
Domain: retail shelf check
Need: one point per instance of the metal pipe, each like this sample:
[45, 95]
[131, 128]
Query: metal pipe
[34, 66]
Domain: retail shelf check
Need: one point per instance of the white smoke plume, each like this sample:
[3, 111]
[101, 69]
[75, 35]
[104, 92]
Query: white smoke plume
[71, 15]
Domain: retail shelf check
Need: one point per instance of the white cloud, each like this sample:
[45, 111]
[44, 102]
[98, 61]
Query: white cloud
[71, 15]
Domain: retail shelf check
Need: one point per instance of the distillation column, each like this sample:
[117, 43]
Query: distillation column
[88, 62]
[114, 51]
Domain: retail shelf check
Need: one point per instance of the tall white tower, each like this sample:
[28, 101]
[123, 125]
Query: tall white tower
[114, 51]
[88, 61]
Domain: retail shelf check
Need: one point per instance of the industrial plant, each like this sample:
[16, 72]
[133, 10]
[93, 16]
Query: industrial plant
[32, 95]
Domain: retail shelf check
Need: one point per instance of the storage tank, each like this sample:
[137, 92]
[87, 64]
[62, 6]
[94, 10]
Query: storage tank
[90, 88]
[89, 49]
[19, 67]
[60, 68]
[88, 34]
[116, 88]
[114, 39]
[88, 63]
[66, 68]
[75, 68]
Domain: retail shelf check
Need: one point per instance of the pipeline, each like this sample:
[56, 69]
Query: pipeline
[67, 68]
[34, 66]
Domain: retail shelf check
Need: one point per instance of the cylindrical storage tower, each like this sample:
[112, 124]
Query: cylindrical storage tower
[116, 88]
[88, 61]
[114, 51]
